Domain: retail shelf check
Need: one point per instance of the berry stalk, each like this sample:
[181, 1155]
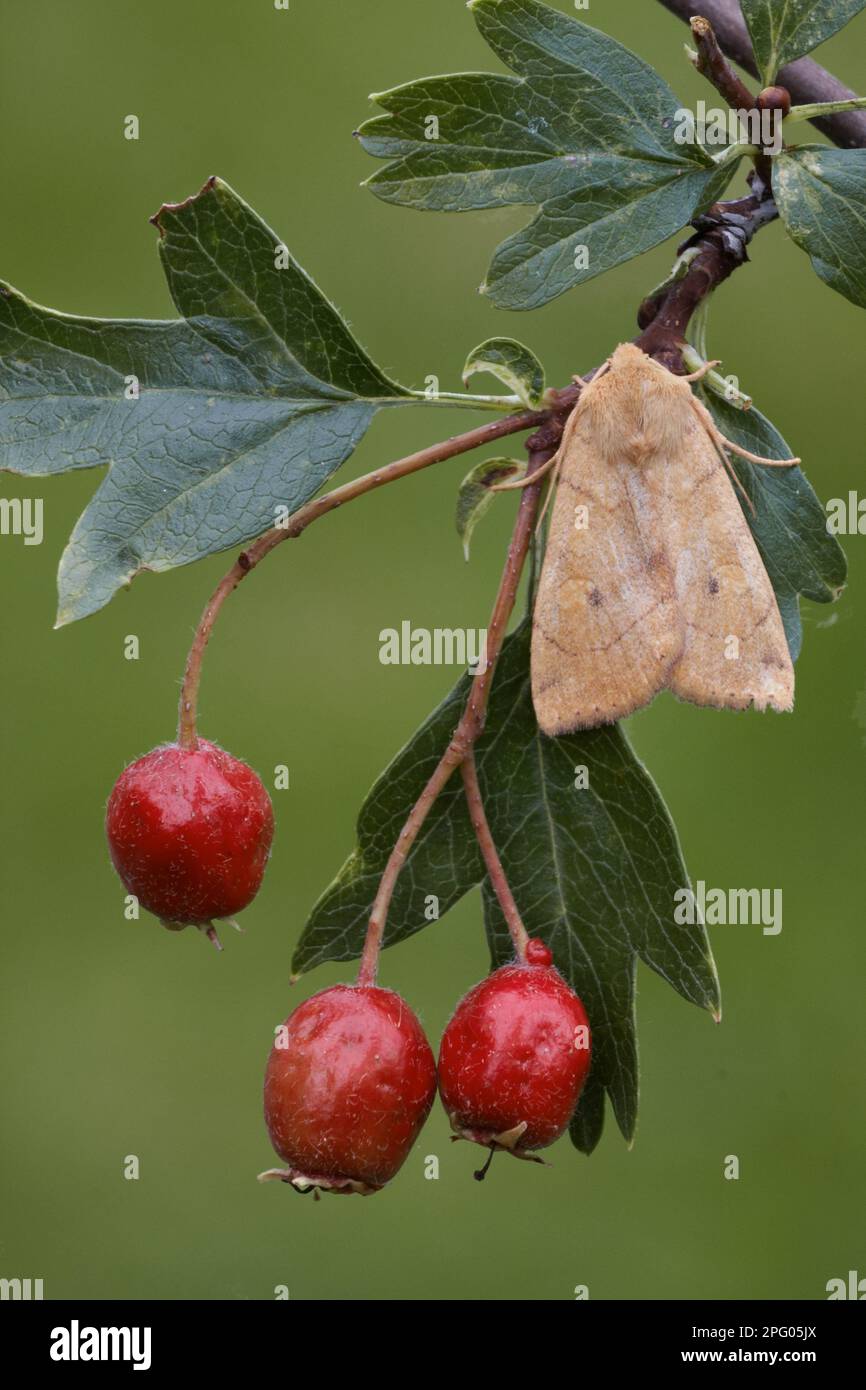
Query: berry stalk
[320, 506]
[471, 722]
[495, 871]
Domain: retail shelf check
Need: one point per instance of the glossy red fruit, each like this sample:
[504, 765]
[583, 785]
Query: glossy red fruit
[514, 1057]
[189, 831]
[349, 1083]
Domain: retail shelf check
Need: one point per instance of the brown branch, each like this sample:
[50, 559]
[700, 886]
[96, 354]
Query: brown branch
[328, 502]
[471, 721]
[805, 79]
[720, 245]
[723, 233]
[493, 863]
[713, 65]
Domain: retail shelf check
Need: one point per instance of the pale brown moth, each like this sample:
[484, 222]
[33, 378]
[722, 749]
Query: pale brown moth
[651, 578]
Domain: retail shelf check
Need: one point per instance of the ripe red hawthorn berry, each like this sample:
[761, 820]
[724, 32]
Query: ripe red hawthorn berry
[514, 1057]
[349, 1083]
[189, 832]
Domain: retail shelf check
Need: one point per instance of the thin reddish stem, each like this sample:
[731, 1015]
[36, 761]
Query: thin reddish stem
[469, 728]
[495, 871]
[320, 506]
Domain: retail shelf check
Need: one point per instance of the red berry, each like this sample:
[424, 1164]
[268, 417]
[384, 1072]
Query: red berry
[189, 831]
[349, 1083]
[514, 1057]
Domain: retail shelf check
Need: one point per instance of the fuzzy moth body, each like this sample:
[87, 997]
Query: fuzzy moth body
[651, 578]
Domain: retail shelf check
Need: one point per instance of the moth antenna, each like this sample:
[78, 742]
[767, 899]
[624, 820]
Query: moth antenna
[557, 459]
[551, 462]
[702, 370]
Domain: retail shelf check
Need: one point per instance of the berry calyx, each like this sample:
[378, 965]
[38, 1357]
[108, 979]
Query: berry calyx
[514, 1057]
[189, 832]
[537, 953]
[349, 1083]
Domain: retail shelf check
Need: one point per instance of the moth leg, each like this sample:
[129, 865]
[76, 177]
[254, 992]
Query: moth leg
[716, 433]
[702, 371]
[719, 442]
[588, 380]
[530, 477]
[758, 458]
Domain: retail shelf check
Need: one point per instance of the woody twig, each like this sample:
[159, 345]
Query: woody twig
[712, 64]
[805, 79]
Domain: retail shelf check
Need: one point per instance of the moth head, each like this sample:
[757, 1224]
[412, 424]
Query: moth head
[636, 411]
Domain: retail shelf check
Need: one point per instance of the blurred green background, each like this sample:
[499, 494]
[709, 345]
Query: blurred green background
[119, 1038]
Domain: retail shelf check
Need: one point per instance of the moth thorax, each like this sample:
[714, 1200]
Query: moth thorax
[663, 418]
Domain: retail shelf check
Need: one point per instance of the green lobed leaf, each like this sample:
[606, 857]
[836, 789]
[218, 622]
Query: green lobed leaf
[475, 496]
[247, 404]
[782, 30]
[593, 229]
[593, 870]
[585, 129]
[787, 520]
[514, 365]
[821, 196]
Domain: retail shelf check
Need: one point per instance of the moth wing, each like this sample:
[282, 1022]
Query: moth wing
[735, 652]
[606, 628]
